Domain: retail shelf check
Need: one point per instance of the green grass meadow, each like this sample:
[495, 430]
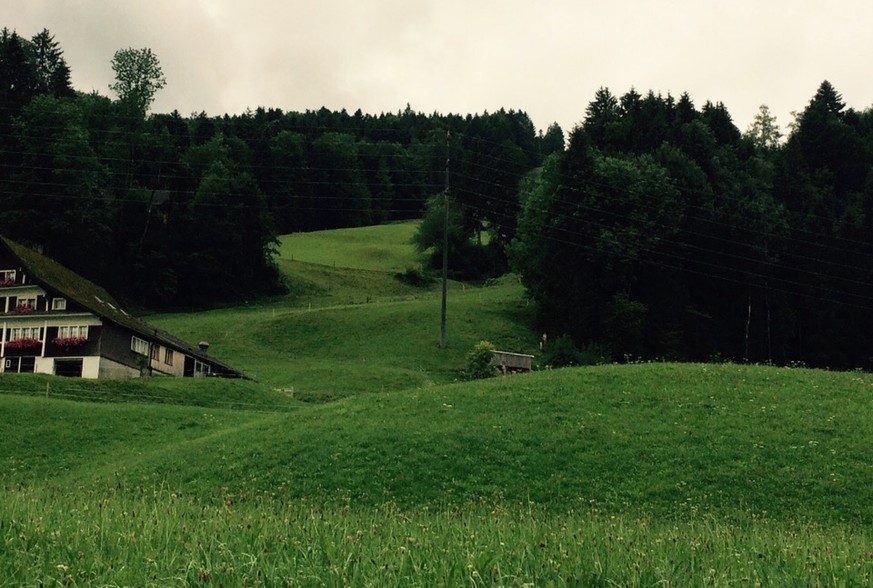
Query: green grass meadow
[379, 248]
[357, 458]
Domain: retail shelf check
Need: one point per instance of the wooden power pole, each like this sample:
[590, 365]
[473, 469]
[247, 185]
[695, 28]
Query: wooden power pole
[443, 338]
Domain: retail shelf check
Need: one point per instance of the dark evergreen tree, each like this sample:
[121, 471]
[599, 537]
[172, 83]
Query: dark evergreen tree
[552, 141]
[52, 72]
[18, 76]
[338, 184]
[375, 161]
[602, 120]
[227, 239]
[665, 231]
[54, 202]
[824, 182]
[289, 196]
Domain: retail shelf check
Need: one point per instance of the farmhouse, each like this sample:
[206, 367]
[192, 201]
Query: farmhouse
[57, 322]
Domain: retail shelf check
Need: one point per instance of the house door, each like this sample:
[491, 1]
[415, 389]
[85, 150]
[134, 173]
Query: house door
[70, 368]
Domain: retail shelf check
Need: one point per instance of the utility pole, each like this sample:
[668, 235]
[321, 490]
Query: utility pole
[443, 339]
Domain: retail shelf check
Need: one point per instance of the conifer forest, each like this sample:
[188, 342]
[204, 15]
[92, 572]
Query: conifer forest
[654, 229]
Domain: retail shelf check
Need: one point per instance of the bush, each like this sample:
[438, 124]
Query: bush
[478, 364]
[562, 352]
[470, 261]
[593, 353]
[414, 277]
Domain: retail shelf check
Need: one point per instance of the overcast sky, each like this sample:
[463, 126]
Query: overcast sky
[545, 57]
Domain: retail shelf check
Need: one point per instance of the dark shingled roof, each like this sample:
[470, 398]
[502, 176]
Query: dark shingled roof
[57, 278]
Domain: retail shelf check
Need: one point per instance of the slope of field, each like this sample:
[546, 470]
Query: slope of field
[631, 475]
[655, 438]
[381, 248]
[346, 330]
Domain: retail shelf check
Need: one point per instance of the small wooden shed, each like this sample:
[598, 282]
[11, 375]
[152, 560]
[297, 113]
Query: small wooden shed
[510, 363]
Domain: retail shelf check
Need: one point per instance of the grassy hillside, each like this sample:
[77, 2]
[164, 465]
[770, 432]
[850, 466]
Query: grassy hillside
[380, 248]
[632, 475]
[357, 328]
[658, 439]
[705, 475]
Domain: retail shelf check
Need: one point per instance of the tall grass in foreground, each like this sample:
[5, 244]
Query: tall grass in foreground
[84, 537]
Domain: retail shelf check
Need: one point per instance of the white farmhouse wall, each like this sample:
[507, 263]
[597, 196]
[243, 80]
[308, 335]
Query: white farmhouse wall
[44, 365]
[90, 366]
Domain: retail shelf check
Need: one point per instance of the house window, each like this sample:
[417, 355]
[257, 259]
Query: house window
[140, 346]
[59, 304]
[25, 304]
[18, 333]
[154, 351]
[22, 365]
[168, 356]
[201, 369]
[7, 277]
[74, 331]
[69, 368]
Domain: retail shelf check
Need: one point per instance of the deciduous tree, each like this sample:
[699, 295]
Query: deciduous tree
[138, 77]
[764, 131]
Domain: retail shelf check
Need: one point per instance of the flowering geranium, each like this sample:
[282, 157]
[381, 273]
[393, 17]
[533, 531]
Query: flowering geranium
[23, 343]
[7, 282]
[69, 341]
[24, 309]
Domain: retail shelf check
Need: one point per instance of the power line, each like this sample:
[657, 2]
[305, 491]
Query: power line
[482, 165]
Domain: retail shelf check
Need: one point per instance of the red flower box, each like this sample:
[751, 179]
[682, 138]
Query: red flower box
[69, 341]
[24, 309]
[24, 343]
[7, 283]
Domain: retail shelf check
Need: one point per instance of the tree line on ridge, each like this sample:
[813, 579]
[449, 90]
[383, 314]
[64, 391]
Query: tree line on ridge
[177, 211]
[664, 232]
[657, 229]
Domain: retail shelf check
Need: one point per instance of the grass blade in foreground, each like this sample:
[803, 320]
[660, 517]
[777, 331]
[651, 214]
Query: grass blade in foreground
[77, 536]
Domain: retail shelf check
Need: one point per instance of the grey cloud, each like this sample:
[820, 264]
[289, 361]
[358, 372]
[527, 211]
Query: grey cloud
[546, 57]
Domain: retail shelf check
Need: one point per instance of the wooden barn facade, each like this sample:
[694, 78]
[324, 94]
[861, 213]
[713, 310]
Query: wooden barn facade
[57, 322]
